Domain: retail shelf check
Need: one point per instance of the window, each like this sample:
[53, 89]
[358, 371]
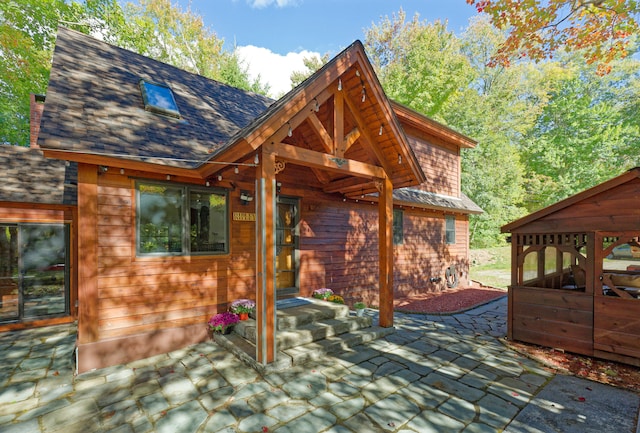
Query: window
[180, 220]
[450, 229]
[398, 227]
[159, 99]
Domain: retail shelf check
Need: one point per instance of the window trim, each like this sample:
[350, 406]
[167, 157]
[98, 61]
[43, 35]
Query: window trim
[185, 216]
[398, 237]
[447, 229]
[153, 108]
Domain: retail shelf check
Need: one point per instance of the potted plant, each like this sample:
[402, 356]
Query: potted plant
[222, 323]
[323, 293]
[359, 307]
[336, 299]
[242, 307]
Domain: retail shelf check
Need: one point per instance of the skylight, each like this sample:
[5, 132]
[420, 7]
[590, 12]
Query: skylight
[158, 98]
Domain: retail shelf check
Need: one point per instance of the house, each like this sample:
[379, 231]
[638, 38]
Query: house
[192, 193]
[568, 288]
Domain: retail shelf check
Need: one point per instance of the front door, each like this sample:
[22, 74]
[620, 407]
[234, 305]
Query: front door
[287, 248]
[34, 277]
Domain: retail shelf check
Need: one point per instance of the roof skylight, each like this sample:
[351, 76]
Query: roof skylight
[158, 98]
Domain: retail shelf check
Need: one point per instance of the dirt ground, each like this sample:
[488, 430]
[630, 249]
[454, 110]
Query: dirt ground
[599, 370]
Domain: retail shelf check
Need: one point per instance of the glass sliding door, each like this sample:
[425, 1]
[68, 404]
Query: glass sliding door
[287, 248]
[34, 271]
[9, 272]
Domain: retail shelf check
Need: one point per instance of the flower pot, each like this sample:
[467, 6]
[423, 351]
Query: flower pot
[360, 312]
[227, 330]
[243, 316]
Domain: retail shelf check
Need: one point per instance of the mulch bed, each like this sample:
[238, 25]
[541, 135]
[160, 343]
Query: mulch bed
[450, 301]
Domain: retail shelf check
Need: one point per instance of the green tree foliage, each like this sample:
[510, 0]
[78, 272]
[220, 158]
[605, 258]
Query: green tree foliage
[545, 130]
[419, 64]
[586, 134]
[154, 28]
[429, 69]
[27, 31]
[311, 64]
[600, 29]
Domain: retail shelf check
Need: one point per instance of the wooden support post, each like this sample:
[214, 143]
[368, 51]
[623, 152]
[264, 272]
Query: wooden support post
[385, 230]
[265, 257]
[517, 266]
[88, 319]
[338, 125]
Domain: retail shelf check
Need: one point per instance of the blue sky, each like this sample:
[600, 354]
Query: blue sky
[274, 35]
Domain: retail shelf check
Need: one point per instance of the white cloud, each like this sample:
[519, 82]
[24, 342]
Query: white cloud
[264, 3]
[273, 68]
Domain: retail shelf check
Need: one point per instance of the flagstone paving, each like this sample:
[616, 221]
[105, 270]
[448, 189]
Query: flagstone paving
[435, 374]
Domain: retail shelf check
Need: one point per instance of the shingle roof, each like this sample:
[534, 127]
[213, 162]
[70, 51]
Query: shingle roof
[94, 105]
[29, 177]
[436, 201]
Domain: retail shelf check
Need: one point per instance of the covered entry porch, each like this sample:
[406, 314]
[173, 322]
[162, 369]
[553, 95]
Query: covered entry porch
[334, 137]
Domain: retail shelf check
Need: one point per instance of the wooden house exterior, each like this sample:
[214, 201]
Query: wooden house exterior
[225, 194]
[38, 283]
[566, 291]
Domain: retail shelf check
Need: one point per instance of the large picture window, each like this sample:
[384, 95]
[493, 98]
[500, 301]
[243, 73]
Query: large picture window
[180, 220]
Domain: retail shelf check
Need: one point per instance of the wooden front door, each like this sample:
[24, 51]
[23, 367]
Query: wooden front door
[287, 248]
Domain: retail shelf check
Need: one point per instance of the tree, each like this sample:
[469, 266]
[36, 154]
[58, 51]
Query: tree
[153, 28]
[431, 70]
[25, 57]
[311, 64]
[600, 29]
[586, 134]
[419, 64]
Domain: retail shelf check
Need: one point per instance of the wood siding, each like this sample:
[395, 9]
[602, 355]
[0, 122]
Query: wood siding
[439, 161]
[339, 250]
[616, 329]
[552, 318]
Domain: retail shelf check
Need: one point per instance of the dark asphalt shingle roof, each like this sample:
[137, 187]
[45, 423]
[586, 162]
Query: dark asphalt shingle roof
[438, 201]
[94, 105]
[29, 177]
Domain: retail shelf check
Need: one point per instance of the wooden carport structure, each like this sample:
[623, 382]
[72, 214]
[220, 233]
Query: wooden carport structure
[362, 151]
[564, 292]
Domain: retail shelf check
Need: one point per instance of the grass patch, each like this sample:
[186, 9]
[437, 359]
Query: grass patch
[491, 266]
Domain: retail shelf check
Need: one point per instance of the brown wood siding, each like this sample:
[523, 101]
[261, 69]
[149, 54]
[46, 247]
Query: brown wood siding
[440, 163]
[617, 326]
[553, 318]
[425, 254]
[339, 249]
[143, 294]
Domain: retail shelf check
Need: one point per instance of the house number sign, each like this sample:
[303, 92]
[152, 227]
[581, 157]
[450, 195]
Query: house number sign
[244, 216]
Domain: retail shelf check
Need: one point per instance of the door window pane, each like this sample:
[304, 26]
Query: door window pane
[286, 244]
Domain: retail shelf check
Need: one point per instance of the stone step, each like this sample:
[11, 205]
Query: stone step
[314, 311]
[299, 355]
[306, 333]
[317, 350]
